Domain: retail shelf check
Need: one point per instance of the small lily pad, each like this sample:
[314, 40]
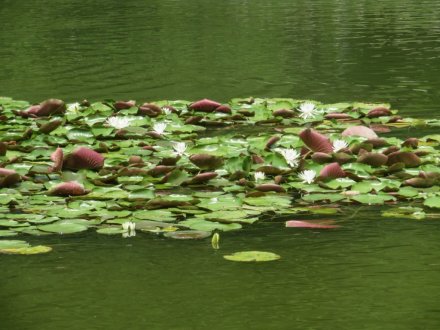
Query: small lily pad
[27, 250]
[110, 230]
[188, 234]
[252, 256]
[7, 233]
[13, 244]
[433, 202]
[314, 224]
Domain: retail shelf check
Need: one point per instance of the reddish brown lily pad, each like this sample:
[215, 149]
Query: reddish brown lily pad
[316, 141]
[70, 188]
[332, 170]
[362, 131]
[408, 158]
[204, 105]
[83, 158]
[313, 224]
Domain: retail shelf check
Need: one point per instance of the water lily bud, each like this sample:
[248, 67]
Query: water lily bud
[215, 241]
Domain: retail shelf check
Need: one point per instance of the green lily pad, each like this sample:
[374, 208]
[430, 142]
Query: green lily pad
[252, 256]
[155, 215]
[371, 199]
[433, 202]
[200, 224]
[63, 228]
[323, 197]
[27, 250]
[110, 230]
[188, 234]
[12, 223]
[13, 244]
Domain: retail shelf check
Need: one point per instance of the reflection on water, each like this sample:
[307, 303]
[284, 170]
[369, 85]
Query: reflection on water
[168, 49]
[370, 274]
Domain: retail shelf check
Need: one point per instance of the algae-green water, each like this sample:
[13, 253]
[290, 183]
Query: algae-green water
[372, 273]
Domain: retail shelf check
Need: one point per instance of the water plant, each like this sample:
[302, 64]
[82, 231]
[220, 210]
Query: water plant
[186, 170]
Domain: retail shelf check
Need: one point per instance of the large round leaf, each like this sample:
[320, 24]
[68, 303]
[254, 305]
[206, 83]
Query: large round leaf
[63, 227]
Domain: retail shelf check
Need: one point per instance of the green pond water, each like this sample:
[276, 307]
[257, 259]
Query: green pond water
[372, 273]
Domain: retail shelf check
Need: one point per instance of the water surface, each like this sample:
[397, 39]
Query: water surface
[372, 273]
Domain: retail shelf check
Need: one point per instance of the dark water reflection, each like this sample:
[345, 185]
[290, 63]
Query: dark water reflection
[367, 275]
[168, 49]
[371, 274]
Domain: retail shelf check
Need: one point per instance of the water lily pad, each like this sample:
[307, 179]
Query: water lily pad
[252, 256]
[27, 250]
[63, 227]
[433, 202]
[200, 224]
[188, 234]
[110, 230]
[371, 199]
[13, 244]
[331, 197]
[7, 233]
[314, 224]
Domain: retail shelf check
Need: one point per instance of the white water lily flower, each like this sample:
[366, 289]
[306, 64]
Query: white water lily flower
[259, 176]
[118, 122]
[307, 176]
[213, 200]
[73, 107]
[129, 228]
[290, 155]
[339, 145]
[159, 128]
[179, 148]
[167, 111]
[308, 110]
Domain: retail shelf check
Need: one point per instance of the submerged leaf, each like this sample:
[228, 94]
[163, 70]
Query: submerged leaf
[252, 256]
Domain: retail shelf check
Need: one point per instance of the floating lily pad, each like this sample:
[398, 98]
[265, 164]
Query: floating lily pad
[27, 250]
[110, 230]
[371, 199]
[433, 202]
[314, 224]
[7, 233]
[64, 228]
[13, 244]
[199, 224]
[188, 234]
[252, 256]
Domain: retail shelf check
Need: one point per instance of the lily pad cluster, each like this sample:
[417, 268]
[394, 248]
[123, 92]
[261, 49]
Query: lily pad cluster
[186, 169]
